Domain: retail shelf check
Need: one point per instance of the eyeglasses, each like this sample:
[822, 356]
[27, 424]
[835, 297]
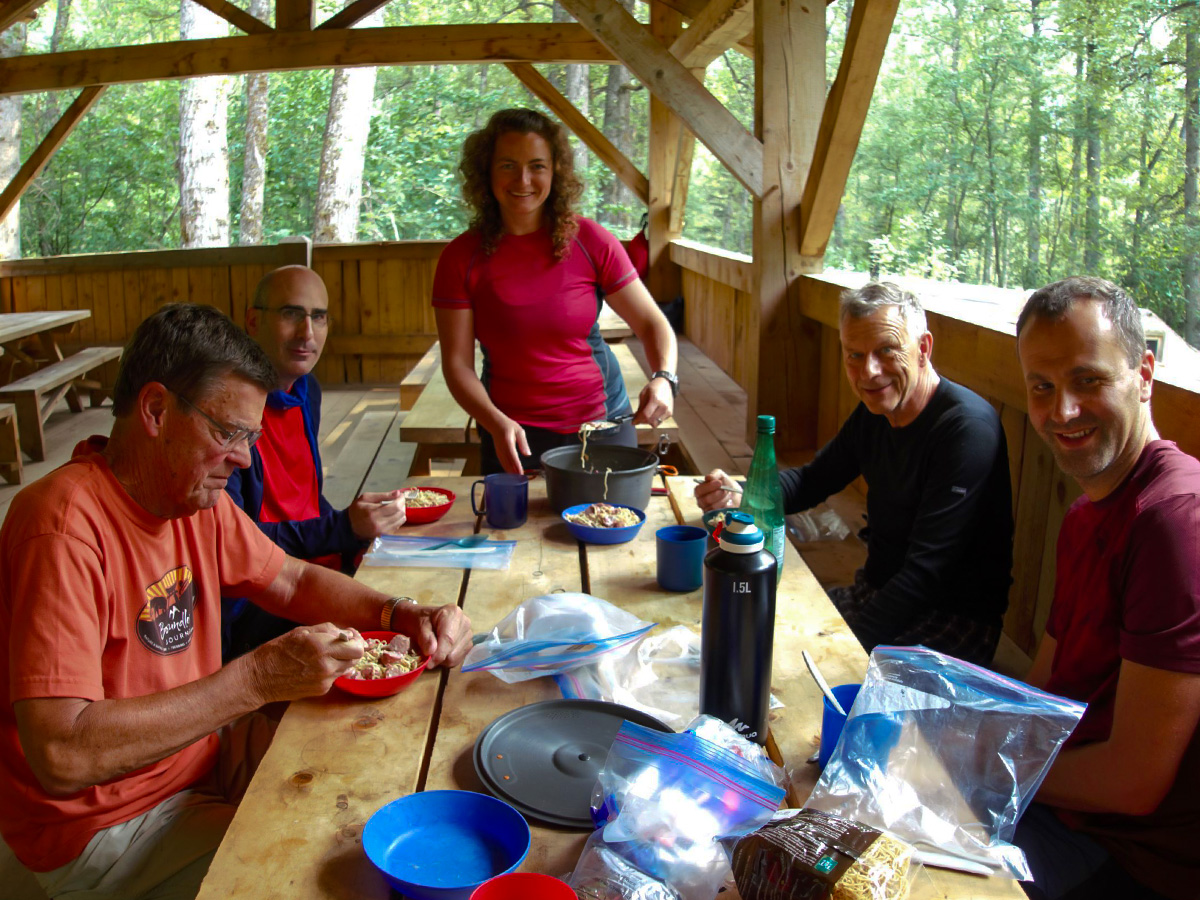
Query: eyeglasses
[295, 315]
[231, 436]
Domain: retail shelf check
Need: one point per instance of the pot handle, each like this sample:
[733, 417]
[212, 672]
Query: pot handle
[668, 471]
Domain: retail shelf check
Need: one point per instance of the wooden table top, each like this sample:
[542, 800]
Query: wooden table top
[336, 759]
[436, 417]
[14, 326]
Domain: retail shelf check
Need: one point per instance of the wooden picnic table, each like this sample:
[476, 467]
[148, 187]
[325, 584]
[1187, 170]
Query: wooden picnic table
[335, 759]
[46, 326]
[442, 429]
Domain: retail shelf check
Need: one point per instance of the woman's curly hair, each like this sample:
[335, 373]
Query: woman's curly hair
[476, 169]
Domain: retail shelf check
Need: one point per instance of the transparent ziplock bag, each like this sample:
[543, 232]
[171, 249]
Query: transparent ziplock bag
[554, 633]
[424, 552]
[945, 755]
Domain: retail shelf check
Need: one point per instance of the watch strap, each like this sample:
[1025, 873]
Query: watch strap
[389, 608]
[671, 378]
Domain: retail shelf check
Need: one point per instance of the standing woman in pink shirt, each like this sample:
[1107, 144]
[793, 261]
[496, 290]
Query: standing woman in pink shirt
[527, 280]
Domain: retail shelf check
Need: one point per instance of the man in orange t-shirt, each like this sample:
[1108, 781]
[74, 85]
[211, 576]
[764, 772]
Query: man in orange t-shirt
[111, 573]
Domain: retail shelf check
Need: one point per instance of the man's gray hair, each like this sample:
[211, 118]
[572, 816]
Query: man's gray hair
[858, 303]
[1054, 301]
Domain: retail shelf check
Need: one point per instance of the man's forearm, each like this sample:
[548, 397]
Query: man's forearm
[305, 592]
[89, 742]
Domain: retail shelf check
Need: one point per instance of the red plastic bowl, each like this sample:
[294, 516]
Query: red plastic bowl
[380, 687]
[423, 515]
[524, 886]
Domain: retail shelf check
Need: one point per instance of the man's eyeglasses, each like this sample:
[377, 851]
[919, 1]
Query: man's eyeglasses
[231, 436]
[295, 315]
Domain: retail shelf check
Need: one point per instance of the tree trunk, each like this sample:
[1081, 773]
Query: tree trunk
[203, 145]
[1091, 221]
[575, 87]
[1191, 202]
[1037, 128]
[1076, 164]
[254, 159]
[12, 43]
[347, 126]
[617, 198]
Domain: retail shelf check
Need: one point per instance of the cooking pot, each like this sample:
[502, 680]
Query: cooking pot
[629, 483]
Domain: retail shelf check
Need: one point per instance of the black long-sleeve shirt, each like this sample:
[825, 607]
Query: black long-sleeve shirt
[939, 507]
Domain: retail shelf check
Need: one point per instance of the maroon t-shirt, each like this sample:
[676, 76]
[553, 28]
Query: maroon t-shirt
[1128, 587]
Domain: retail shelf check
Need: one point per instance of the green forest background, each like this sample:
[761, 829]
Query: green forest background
[1008, 143]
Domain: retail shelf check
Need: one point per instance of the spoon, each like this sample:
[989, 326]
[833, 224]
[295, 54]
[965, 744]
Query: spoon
[601, 427]
[821, 682]
[473, 540]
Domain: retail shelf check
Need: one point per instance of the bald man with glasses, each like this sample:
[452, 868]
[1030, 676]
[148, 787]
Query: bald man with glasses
[281, 489]
[125, 745]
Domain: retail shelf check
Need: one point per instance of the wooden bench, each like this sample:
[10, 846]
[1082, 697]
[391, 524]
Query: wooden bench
[36, 395]
[414, 382]
[10, 447]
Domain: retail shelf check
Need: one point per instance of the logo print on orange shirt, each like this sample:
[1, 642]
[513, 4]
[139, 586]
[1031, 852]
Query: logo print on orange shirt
[165, 623]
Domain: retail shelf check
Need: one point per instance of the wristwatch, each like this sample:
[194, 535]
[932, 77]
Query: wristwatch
[671, 378]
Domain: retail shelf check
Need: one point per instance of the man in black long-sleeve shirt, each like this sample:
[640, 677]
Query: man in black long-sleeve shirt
[939, 501]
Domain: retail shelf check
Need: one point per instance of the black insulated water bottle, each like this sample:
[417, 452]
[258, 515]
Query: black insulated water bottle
[737, 629]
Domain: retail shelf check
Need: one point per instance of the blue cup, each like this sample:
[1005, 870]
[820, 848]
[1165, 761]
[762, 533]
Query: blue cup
[832, 721]
[680, 551]
[505, 500]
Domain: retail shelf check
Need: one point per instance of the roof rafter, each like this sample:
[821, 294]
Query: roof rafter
[608, 153]
[54, 138]
[319, 49]
[842, 121]
[352, 13]
[14, 11]
[670, 81]
[235, 16]
[720, 25]
[294, 15]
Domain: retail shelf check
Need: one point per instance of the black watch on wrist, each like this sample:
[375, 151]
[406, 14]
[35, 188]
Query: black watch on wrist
[671, 378]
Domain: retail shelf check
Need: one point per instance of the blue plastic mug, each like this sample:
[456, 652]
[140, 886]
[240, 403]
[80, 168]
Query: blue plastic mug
[832, 721]
[680, 554]
[505, 500]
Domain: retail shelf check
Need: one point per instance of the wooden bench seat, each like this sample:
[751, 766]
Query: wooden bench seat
[10, 447]
[414, 382]
[36, 395]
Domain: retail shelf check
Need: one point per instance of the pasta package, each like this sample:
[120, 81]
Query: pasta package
[818, 856]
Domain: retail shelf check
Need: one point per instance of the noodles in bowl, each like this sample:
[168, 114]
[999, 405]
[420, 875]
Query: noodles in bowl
[603, 523]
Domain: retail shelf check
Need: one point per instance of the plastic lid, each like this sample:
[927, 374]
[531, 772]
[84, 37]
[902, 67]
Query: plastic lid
[766, 424]
[740, 534]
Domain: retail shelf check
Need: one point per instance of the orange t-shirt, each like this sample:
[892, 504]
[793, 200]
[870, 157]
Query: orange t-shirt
[99, 599]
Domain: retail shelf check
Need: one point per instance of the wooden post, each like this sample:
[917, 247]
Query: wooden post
[789, 54]
[294, 15]
[665, 128]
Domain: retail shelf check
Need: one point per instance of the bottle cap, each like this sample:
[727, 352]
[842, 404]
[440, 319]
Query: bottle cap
[740, 534]
[766, 424]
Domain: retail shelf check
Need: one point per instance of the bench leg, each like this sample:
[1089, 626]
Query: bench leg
[10, 451]
[29, 423]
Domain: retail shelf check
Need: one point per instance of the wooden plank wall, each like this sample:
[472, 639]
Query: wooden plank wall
[717, 297]
[382, 322]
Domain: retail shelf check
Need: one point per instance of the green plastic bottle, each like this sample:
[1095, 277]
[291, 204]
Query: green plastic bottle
[763, 497]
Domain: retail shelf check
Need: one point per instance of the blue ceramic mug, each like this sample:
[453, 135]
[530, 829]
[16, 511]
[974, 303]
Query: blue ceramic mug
[505, 500]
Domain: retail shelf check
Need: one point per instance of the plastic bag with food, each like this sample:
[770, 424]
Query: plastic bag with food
[805, 854]
[664, 800]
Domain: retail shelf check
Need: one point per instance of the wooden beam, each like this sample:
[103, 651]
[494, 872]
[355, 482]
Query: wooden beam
[15, 11]
[278, 51]
[54, 138]
[718, 27]
[842, 124]
[683, 178]
[294, 15]
[789, 57]
[617, 161]
[664, 280]
[691, 10]
[352, 13]
[670, 81]
[235, 16]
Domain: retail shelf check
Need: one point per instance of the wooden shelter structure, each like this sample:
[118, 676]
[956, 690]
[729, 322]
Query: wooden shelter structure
[769, 320]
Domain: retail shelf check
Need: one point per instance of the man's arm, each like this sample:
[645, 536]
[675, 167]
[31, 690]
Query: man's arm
[72, 743]
[1154, 721]
[308, 593]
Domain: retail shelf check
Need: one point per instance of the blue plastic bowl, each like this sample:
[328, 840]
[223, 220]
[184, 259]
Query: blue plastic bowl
[441, 845]
[590, 535]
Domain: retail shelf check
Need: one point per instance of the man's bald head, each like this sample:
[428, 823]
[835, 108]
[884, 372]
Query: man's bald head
[290, 320]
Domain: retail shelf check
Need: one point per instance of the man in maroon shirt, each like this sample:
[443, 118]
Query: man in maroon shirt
[1118, 815]
[281, 489]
